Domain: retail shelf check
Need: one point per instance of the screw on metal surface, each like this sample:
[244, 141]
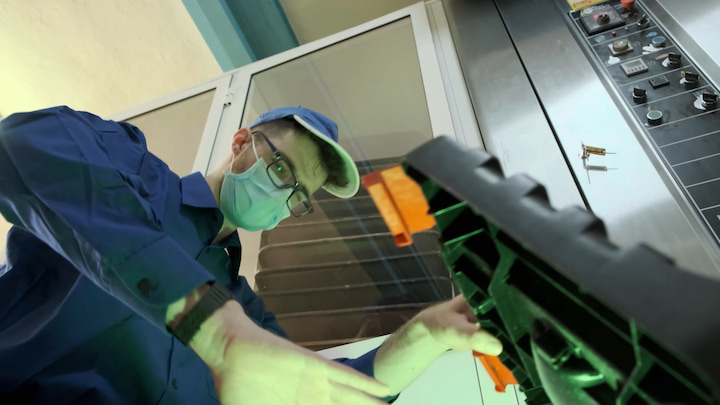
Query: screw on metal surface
[592, 150]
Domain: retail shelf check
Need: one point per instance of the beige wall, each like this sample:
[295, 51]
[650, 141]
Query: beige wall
[102, 56]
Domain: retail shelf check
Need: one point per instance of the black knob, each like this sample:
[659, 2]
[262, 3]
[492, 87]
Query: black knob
[639, 95]
[654, 117]
[674, 60]
[644, 22]
[603, 19]
[709, 100]
[691, 80]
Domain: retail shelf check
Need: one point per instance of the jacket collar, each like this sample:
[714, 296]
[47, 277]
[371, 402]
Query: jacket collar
[196, 191]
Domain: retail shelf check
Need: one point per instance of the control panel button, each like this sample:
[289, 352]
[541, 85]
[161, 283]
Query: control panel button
[654, 117]
[639, 95]
[600, 18]
[690, 80]
[674, 60]
[660, 81]
[658, 42]
[628, 4]
[634, 67]
[620, 47]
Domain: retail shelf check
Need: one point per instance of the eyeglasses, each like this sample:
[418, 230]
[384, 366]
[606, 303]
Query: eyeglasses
[282, 176]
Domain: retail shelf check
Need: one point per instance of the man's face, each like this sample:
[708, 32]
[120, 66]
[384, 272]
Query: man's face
[299, 151]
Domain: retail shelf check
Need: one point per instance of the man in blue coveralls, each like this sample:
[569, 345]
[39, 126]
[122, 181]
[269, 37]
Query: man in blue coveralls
[113, 260]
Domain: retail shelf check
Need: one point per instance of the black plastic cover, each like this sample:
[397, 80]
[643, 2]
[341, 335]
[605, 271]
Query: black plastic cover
[582, 321]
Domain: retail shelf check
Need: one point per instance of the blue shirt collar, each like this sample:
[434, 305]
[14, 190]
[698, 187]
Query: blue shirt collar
[196, 191]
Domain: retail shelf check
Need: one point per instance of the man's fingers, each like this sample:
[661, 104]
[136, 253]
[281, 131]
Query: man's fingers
[462, 326]
[484, 342]
[344, 375]
[344, 395]
[459, 302]
[460, 305]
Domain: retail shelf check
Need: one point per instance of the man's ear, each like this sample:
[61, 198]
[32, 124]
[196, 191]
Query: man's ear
[239, 140]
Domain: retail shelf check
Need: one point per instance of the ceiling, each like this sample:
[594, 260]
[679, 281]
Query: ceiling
[315, 19]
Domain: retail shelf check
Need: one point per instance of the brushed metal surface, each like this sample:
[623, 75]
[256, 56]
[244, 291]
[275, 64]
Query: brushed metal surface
[694, 25]
[512, 122]
[636, 197]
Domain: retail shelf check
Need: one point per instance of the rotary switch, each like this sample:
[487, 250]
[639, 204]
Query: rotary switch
[639, 95]
[690, 80]
[674, 60]
[709, 100]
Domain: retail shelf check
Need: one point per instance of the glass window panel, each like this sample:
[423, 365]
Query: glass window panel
[338, 269]
[370, 85]
[174, 131]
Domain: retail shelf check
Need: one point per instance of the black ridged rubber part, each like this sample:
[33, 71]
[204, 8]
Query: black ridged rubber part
[652, 328]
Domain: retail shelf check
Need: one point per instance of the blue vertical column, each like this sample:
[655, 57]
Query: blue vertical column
[239, 32]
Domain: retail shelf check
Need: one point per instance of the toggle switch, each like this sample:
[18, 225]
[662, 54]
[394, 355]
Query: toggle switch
[644, 22]
[639, 95]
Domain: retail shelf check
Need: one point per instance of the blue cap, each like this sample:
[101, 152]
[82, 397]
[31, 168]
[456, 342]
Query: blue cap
[325, 129]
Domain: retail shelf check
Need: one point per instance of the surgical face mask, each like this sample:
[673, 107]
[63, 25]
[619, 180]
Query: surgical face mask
[251, 201]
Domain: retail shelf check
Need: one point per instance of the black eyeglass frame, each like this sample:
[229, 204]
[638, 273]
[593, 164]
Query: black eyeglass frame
[296, 187]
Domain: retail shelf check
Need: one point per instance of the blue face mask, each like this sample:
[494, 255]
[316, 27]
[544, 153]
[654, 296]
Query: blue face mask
[251, 201]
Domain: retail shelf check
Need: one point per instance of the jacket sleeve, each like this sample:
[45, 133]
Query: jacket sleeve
[255, 307]
[59, 181]
[366, 365]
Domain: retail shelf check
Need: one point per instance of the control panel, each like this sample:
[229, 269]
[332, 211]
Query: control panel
[676, 104]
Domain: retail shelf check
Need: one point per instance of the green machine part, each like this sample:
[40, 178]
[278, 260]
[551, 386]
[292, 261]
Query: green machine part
[581, 320]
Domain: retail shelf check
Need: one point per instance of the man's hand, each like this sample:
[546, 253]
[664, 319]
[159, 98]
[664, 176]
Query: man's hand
[411, 350]
[453, 325]
[252, 366]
